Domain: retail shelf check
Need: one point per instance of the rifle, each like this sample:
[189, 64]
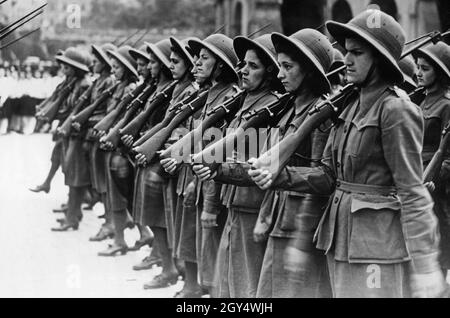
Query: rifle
[434, 167]
[320, 113]
[64, 130]
[253, 119]
[188, 142]
[18, 39]
[44, 104]
[110, 118]
[135, 126]
[18, 23]
[114, 135]
[150, 147]
[83, 116]
[49, 112]
[279, 155]
[172, 111]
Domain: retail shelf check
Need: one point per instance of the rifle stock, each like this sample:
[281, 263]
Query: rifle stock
[254, 119]
[114, 134]
[278, 156]
[184, 147]
[150, 147]
[434, 167]
[64, 130]
[172, 112]
[135, 126]
[83, 116]
[110, 118]
[50, 112]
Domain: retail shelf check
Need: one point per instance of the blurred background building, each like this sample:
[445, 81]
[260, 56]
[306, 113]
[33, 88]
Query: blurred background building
[245, 16]
[150, 20]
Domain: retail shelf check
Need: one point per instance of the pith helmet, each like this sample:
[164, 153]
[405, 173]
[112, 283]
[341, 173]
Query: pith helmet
[262, 44]
[162, 51]
[123, 56]
[74, 58]
[378, 29]
[312, 45]
[438, 54]
[100, 52]
[183, 47]
[221, 46]
[408, 67]
[338, 60]
[140, 53]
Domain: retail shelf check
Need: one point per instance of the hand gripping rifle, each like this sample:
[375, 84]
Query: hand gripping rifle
[83, 116]
[160, 99]
[109, 120]
[155, 143]
[65, 128]
[139, 102]
[276, 158]
[254, 119]
[433, 169]
[186, 146]
[49, 113]
[171, 113]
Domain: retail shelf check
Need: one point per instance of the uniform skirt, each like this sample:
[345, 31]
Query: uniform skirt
[276, 282]
[368, 280]
[239, 258]
[97, 167]
[185, 226]
[76, 165]
[442, 210]
[117, 201]
[148, 203]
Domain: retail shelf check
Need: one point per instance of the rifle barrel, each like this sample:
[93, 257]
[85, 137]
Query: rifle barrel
[18, 39]
[5, 34]
[22, 18]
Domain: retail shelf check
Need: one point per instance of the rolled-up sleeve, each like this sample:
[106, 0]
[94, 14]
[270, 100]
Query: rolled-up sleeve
[402, 129]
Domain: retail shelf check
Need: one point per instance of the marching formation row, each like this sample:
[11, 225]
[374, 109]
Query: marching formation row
[339, 206]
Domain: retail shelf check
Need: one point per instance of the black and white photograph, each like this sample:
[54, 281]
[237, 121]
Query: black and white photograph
[224, 149]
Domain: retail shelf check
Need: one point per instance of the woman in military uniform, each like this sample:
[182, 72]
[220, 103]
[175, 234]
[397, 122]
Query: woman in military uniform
[378, 230]
[76, 172]
[289, 218]
[181, 64]
[124, 68]
[434, 75]
[240, 257]
[105, 80]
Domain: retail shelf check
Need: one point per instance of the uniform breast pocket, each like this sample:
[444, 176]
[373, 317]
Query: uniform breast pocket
[363, 141]
[375, 230]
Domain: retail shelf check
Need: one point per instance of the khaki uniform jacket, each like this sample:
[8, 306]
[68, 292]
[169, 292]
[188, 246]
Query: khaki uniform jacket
[380, 211]
[239, 191]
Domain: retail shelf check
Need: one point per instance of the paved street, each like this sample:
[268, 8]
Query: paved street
[35, 262]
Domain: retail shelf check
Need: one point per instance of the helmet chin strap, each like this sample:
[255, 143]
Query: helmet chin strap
[368, 76]
[215, 67]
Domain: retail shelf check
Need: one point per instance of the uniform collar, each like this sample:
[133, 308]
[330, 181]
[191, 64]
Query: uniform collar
[433, 96]
[369, 95]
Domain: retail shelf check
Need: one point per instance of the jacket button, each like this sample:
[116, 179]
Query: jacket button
[345, 129]
[336, 200]
[338, 165]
